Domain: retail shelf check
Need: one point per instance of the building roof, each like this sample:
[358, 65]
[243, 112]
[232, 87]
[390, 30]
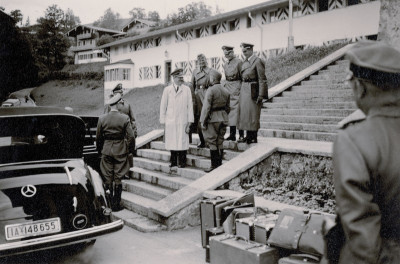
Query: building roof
[95, 28]
[128, 61]
[198, 23]
[143, 21]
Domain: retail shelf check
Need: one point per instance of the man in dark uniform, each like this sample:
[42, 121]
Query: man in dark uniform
[200, 82]
[254, 88]
[214, 118]
[366, 158]
[233, 83]
[114, 137]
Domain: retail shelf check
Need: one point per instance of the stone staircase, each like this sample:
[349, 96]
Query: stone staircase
[307, 106]
[311, 109]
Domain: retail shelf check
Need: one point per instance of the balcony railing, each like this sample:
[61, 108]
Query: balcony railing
[83, 47]
[85, 36]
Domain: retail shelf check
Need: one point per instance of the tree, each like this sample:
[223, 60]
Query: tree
[16, 15]
[28, 22]
[191, 12]
[153, 16]
[70, 20]
[52, 43]
[2, 8]
[137, 13]
[105, 39]
[108, 20]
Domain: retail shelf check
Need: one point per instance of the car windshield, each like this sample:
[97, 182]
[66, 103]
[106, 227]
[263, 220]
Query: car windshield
[40, 137]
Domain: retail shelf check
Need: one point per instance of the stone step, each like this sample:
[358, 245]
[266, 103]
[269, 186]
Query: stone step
[173, 182]
[160, 155]
[305, 135]
[329, 87]
[326, 76]
[338, 68]
[146, 189]
[302, 119]
[138, 204]
[316, 105]
[189, 173]
[227, 145]
[299, 127]
[318, 93]
[313, 99]
[194, 150]
[138, 222]
[342, 62]
[307, 112]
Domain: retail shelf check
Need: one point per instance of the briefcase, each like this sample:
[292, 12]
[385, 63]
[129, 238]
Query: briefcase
[208, 216]
[299, 259]
[237, 213]
[228, 249]
[209, 233]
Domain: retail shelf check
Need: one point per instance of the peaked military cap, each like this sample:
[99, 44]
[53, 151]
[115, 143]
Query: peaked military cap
[177, 73]
[117, 88]
[228, 48]
[115, 99]
[375, 61]
[246, 45]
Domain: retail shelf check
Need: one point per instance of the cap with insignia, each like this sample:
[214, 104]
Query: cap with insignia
[177, 73]
[201, 56]
[375, 61]
[227, 48]
[114, 100]
[117, 88]
[246, 45]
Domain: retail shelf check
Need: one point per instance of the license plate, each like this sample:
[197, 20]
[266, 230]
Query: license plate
[35, 228]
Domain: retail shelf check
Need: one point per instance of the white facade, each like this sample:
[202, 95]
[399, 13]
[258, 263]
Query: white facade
[268, 32]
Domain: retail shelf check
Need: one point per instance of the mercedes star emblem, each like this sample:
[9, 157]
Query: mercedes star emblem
[28, 190]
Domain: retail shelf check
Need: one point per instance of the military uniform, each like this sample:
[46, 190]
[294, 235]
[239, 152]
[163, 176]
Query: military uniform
[200, 82]
[253, 73]
[114, 138]
[232, 84]
[214, 116]
[366, 160]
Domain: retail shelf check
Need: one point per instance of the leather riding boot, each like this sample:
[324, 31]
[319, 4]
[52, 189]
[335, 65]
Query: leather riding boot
[214, 160]
[220, 157]
[117, 198]
[232, 133]
[108, 189]
[202, 141]
[174, 158]
[241, 139]
[182, 158]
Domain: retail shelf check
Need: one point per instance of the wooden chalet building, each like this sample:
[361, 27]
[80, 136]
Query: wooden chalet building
[148, 59]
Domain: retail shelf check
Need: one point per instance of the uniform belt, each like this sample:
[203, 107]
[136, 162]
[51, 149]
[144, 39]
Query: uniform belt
[217, 109]
[113, 137]
[249, 80]
[232, 79]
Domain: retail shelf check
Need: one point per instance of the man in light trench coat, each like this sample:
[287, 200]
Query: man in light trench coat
[232, 84]
[176, 112]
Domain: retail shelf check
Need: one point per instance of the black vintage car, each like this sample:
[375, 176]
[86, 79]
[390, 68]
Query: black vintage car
[50, 195]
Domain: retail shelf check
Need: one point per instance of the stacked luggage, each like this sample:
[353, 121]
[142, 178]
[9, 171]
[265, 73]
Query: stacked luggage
[235, 231]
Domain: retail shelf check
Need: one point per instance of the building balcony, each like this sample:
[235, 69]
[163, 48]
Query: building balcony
[83, 47]
[85, 36]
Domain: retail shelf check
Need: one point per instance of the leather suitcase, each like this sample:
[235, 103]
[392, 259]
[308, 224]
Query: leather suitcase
[208, 217]
[237, 213]
[228, 249]
[209, 233]
[299, 259]
[263, 226]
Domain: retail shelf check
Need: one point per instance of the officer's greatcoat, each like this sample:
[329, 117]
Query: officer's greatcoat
[367, 185]
[233, 84]
[200, 82]
[176, 110]
[252, 71]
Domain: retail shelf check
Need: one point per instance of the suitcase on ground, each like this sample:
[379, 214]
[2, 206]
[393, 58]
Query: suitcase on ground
[228, 249]
[223, 210]
[237, 213]
[209, 233]
[263, 226]
[207, 216]
[299, 259]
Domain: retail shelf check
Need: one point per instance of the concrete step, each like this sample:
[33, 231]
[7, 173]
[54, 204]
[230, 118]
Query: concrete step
[307, 112]
[322, 82]
[305, 135]
[138, 222]
[160, 155]
[312, 99]
[138, 204]
[318, 93]
[316, 105]
[342, 62]
[327, 76]
[189, 173]
[194, 150]
[330, 87]
[228, 145]
[299, 127]
[334, 120]
[338, 68]
[145, 189]
[162, 179]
